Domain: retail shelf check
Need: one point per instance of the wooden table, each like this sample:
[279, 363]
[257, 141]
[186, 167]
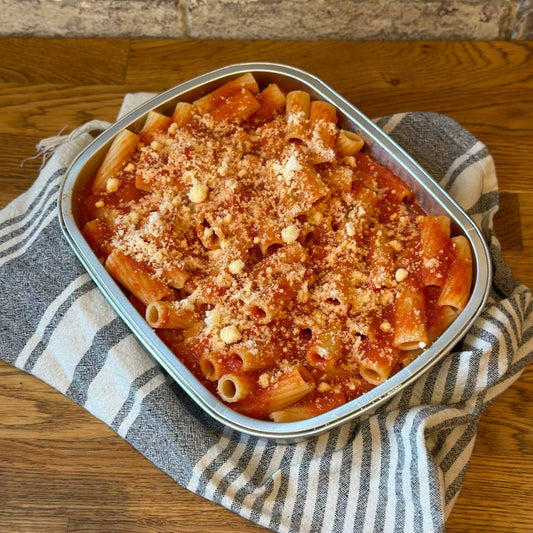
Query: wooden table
[63, 470]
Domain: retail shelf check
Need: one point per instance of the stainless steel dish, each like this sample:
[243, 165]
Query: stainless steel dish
[384, 149]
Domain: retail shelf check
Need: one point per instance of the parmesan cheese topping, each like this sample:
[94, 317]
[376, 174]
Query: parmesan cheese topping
[270, 249]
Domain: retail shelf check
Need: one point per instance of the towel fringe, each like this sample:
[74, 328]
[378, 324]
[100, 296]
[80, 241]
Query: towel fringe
[46, 147]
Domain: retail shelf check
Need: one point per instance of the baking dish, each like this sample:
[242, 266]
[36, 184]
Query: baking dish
[432, 198]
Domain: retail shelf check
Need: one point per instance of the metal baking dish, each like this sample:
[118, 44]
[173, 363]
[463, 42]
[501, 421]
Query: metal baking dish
[384, 149]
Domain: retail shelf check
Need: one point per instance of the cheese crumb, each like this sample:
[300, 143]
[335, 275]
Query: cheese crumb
[100, 203]
[395, 245]
[129, 167]
[236, 267]
[198, 193]
[350, 229]
[173, 128]
[422, 345]
[112, 184]
[264, 380]
[323, 387]
[401, 274]
[290, 234]
[230, 334]
[385, 326]
[213, 318]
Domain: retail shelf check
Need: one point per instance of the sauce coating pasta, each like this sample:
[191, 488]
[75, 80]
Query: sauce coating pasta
[287, 269]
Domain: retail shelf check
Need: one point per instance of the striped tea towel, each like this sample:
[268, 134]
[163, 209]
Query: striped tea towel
[399, 469]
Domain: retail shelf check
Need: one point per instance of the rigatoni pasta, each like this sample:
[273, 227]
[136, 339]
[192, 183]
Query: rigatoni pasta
[284, 266]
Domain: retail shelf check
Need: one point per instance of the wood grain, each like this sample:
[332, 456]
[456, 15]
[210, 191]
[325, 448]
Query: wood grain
[61, 470]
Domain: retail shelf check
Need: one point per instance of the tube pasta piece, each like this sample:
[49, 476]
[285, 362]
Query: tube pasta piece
[170, 315]
[339, 178]
[308, 409]
[215, 98]
[324, 350]
[97, 233]
[154, 122]
[182, 113]
[336, 289]
[435, 245]
[272, 101]
[377, 364]
[256, 357]
[136, 279]
[381, 257]
[115, 159]
[457, 283]
[269, 302]
[175, 277]
[307, 189]
[234, 387]
[214, 365]
[237, 107]
[348, 143]
[297, 114]
[441, 318]
[395, 185]
[286, 390]
[409, 316]
[323, 132]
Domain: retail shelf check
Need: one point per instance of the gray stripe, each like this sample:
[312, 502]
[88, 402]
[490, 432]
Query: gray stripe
[136, 384]
[418, 419]
[277, 508]
[473, 158]
[52, 325]
[463, 441]
[383, 491]
[238, 467]
[444, 429]
[303, 478]
[324, 480]
[43, 191]
[285, 475]
[380, 122]
[364, 478]
[344, 485]
[20, 243]
[486, 201]
[167, 434]
[256, 477]
[31, 221]
[431, 378]
[94, 359]
[399, 510]
[217, 462]
[470, 382]
[453, 488]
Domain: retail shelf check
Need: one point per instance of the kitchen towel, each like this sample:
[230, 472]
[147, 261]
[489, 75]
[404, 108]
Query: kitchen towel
[400, 468]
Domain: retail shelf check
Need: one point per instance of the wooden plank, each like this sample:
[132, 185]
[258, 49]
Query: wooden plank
[75, 61]
[377, 64]
[33, 523]
[44, 110]
[228, 524]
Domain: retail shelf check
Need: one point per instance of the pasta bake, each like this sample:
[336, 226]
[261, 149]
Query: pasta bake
[283, 265]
